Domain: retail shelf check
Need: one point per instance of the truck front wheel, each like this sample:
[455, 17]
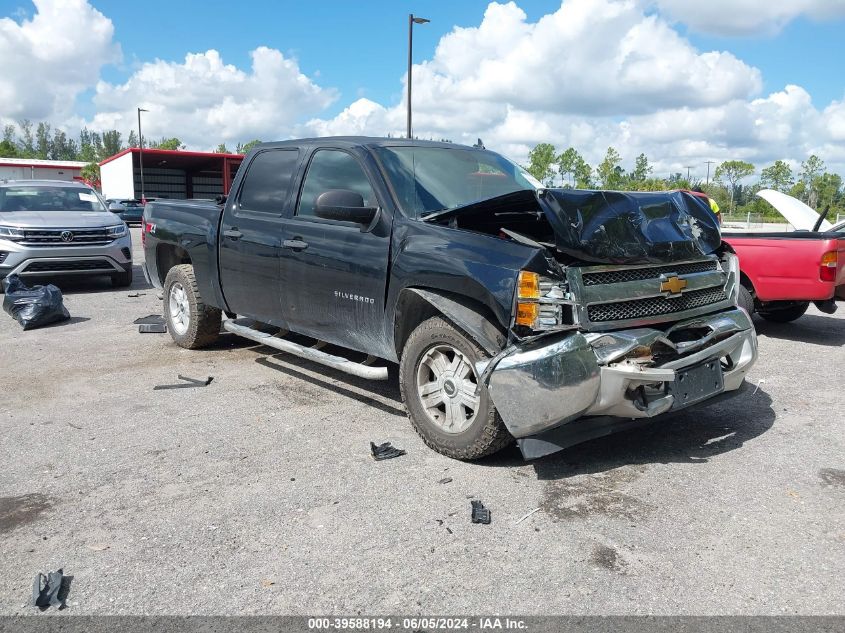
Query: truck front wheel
[447, 404]
[191, 323]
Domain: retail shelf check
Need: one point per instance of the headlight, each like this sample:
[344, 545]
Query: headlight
[541, 303]
[116, 231]
[11, 231]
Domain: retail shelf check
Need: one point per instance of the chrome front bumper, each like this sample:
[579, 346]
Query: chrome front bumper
[548, 384]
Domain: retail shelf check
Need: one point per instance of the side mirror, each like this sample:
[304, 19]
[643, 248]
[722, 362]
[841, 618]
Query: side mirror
[345, 206]
[116, 207]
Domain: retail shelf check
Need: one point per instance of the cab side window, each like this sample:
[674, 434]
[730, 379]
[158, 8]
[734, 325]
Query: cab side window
[333, 169]
[268, 182]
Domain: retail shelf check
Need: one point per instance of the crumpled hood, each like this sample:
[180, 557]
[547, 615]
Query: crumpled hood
[609, 227]
[58, 219]
[631, 227]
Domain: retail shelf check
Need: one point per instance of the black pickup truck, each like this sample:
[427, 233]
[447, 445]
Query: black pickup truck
[549, 316]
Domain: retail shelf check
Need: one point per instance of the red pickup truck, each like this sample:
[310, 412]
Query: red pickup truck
[783, 272]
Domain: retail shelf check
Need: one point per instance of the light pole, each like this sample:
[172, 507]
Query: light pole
[411, 21]
[141, 152]
[688, 168]
[708, 162]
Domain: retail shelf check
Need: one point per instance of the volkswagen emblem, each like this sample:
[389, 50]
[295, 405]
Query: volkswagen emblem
[66, 236]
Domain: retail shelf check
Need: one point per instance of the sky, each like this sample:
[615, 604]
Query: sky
[683, 82]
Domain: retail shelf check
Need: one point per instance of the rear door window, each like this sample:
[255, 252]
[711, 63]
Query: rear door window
[268, 182]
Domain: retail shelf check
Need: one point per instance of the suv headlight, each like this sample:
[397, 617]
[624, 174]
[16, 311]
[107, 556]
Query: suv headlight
[116, 231]
[11, 231]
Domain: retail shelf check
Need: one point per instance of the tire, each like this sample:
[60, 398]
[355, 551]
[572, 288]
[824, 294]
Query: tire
[192, 324]
[122, 280]
[746, 301]
[785, 315]
[477, 430]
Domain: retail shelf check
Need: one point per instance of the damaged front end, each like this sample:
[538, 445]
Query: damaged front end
[634, 317]
[560, 390]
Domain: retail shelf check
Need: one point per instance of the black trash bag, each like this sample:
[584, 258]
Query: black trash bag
[33, 307]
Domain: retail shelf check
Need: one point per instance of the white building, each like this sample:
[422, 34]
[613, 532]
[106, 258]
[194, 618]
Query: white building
[36, 169]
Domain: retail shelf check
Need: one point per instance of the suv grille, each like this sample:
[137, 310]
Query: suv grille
[53, 237]
[48, 267]
[638, 274]
[654, 306]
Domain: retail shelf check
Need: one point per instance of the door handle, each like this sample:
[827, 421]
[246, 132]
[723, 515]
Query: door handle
[297, 244]
[233, 233]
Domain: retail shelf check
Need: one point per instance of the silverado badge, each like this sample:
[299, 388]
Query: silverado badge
[673, 285]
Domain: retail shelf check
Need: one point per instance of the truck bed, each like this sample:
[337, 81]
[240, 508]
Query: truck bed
[785, 266]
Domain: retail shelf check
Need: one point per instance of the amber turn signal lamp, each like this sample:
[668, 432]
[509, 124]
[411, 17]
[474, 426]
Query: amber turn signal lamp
[528, 285]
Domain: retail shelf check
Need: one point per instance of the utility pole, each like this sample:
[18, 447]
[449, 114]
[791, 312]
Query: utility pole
[411, 21]
[141, 153]
[688, 168]
[708, 163]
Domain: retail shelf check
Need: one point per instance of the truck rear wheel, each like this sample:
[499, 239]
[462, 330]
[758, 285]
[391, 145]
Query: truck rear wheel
[447, 404]
[783, 315]
[191, 323]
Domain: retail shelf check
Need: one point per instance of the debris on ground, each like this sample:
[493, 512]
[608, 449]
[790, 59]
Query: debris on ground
[33, 307]
[525, 516]
[150, 318]
[46, 588]
[385, 451]
[188, 384]
[136, 294]
[445, 480]
[480, 514]
[152, 328]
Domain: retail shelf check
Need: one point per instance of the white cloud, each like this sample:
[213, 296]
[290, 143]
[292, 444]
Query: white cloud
[204, 101]
[747, 17]
[49, 59]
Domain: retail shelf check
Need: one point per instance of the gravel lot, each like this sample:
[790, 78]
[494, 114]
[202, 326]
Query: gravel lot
[257, 494]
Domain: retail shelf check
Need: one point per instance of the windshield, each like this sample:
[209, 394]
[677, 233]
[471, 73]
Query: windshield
[428, 179]
[48, 198]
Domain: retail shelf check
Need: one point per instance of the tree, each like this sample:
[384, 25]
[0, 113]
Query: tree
[243, 148]
[42, 141]
[86, 146]
[568, 162]
[91, 174]
[811, 169]
[132, 141]
[642, 169]
[583, 175]
[8, 147]
[540, 163]
[26, 148]
[167, 143]
[778, 177]
[609, 171]
[62, 148]
[112, 144]
[733, 171]
[222, 149]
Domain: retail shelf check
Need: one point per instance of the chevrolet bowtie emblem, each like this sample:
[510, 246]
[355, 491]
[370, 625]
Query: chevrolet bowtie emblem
[673, 285]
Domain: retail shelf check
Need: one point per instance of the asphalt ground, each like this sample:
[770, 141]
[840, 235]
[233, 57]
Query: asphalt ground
[257, 493]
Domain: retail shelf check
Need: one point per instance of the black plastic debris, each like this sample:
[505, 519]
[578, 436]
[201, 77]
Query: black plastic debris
[189, 383]
[46, 589]
[33, 307]
[152, 328]
[149, 319]
[136, 294]
[385, 451]
[480, 514]
[445, 480]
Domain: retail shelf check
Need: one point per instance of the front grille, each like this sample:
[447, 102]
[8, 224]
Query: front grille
[53, 237]
[655, 306]
[3, 255]
[638, 274]
[50, 267]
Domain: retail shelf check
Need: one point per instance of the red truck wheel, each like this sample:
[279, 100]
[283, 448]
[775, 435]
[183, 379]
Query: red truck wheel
[785, 314]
